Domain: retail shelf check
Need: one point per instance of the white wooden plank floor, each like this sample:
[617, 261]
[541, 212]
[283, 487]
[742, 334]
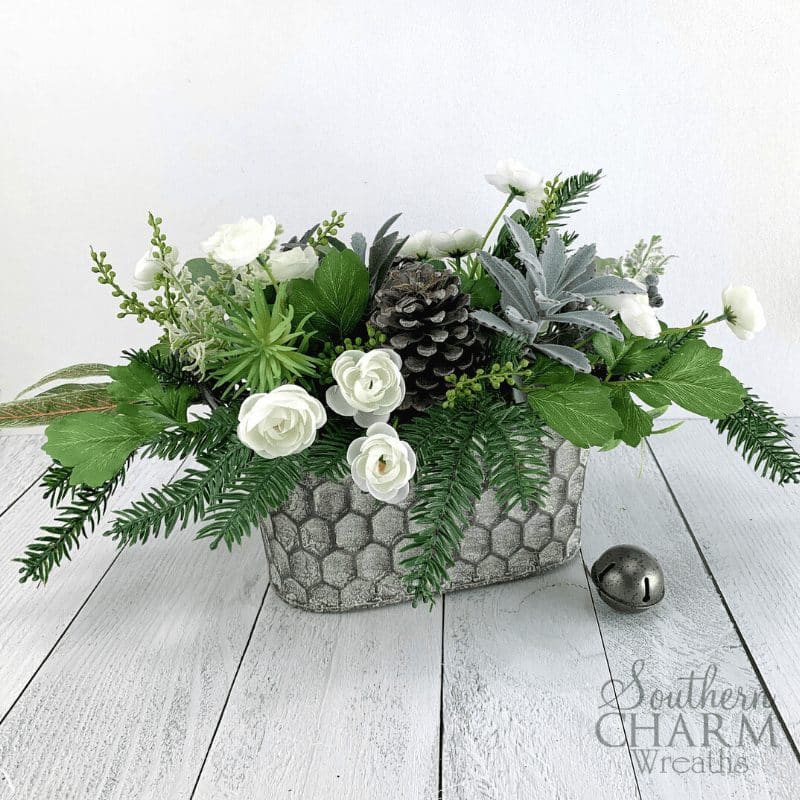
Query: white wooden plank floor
[171, 672]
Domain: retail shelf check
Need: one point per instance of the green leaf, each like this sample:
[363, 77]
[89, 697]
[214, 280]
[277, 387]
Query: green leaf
[68, 373]
[483, 292]
[669, 428]
[580, 410]
[639, 355]
[336, 298]
[135, 383]
[200, 268]
[59, 401]
[96, 445]
[694, 379]
[636, 422]
[604, 347]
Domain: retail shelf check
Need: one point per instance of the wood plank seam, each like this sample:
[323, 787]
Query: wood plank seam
[751, 658]
[230, 690]
[587, 574]
[80, 608]
[58, 640]
[22, 493]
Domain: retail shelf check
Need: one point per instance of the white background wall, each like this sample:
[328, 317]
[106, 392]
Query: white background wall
[205, 111]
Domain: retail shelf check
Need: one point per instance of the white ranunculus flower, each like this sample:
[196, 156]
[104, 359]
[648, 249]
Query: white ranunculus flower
[458, 242]
[635, 311]
[369, 386]
[420, 246]
[299, 262]
[240, 243]
[748, 312]
[382, 464]
[514, 176]
[280, 422]
[150, 266]
[533, 199]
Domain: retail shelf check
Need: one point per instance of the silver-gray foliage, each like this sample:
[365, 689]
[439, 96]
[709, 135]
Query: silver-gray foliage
[555, 289]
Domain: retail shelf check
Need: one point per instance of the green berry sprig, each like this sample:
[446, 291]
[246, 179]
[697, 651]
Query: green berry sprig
[331, 352]
[328, 227]
[465, 387]
[129, 303]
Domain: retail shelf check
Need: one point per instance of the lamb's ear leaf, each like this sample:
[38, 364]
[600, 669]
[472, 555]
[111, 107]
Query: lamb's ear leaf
[513, 289]
[493, 322]
[606, 284]
[359, 245]
[588, 318]
[565, 355]
[384, 250]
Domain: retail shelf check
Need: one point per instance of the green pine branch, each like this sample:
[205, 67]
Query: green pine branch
[762, 438]
[75, 520]
[674, 340]
[449, 482]
[562, 197]
[327, 457]
[183, 500]
[200, 437]
[513, 453]
[168, 367]
[55, 483]
[262, 486]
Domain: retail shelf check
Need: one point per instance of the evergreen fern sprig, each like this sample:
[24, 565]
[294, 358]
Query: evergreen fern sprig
[562, 198]
[201, 437]
[449, 482]
[55, 483]
[327, 457]
[515, 459]
[168, 367]
[183, 500]
[262, 486]
[85, 507]
[762, 438]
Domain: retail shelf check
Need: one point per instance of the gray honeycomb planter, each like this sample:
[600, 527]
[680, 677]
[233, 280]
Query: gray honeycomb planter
[332, 547]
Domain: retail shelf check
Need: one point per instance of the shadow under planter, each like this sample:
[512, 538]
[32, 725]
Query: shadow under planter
[332, 547]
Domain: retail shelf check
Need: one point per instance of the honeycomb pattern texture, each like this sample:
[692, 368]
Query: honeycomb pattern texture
[332, 547]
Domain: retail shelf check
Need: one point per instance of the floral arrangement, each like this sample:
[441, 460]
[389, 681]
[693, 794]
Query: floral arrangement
[436, 361]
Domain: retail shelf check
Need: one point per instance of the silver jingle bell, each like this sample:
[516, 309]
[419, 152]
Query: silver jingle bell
[628, 578]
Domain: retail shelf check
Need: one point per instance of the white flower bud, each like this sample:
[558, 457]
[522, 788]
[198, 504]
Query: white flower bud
[239, 244]
[748, 313]
[299, 262]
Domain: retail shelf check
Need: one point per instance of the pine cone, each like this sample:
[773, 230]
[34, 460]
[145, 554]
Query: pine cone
[425, 316]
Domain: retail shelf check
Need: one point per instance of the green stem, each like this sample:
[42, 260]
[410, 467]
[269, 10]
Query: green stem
[720, 318]
[500, 213]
